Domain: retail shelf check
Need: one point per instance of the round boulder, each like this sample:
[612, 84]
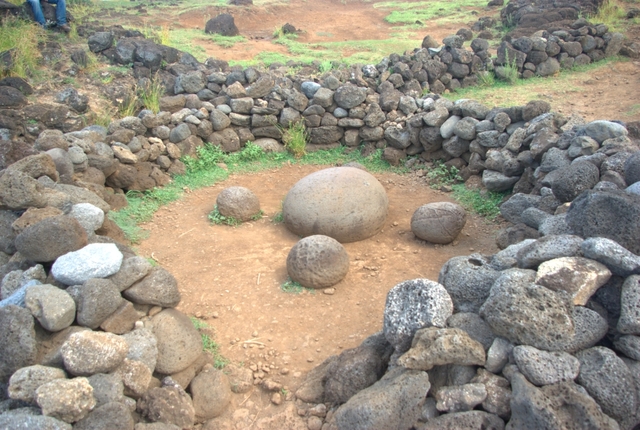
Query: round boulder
[345, 203]
[317, 262]
[439, 222]
[223, 24]
[238, 202]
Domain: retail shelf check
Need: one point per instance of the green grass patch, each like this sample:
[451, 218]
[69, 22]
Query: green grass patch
[442, 175]
[215, 217]
[209, 345]
[295, 139]
[482, 202]
[22, 39]
[292, 287]
[438, 11]
[225, 41]
[611, 13]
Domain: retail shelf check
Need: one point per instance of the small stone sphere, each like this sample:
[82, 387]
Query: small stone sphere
[439, 222]
[238, 202]
[317, 262]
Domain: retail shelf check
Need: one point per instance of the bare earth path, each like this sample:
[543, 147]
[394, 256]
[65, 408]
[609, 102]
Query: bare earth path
[231, 277]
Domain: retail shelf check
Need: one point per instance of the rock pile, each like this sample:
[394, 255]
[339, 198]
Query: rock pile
[545, 331]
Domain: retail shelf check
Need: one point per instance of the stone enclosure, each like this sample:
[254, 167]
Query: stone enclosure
[543, 334]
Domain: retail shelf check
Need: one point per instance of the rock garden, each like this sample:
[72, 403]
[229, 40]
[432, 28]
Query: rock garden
[335, 294]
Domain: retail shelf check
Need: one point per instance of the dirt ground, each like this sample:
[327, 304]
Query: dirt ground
[231, 277]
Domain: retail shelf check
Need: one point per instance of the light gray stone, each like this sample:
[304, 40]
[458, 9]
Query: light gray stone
[25, 381]
[617, 258]
[460, 398]
[629, 345]
[89, 216]
[143, 347]
[498, 355]
[51, 306]
[468, 281]
[68, 400]
[545, 368]
[629, 322]
[548, 248]
[412, 305]
[96, 260]
[87, 352]
[317, 261]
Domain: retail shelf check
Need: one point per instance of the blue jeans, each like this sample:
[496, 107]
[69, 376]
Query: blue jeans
[61, 11]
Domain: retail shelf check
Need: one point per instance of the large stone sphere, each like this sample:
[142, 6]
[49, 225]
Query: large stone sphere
[345, 203]
[238, 202]
[317, 262]
[439, 222]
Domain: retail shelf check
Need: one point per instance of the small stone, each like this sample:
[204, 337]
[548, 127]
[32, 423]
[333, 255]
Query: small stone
[68, 400]
[459, 398]
[545, 368]
[25, 381]
[276, 398]
[439, 222]
[96, 260]
[89, 352]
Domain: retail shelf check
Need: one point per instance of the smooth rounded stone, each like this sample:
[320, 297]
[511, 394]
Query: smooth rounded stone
[629, 322]
[609, 381]
[349, 96]
[629, 345]
[412, 305]
[17, 340]
[317, 262]
[474, 326]
[179, 343]
[498, 355]
[529, 314]
[460, 398]
[131, 271]
[211, 393]
[50, 238]
[470, 420]
[548, 248]
[439, 346]
[25, 381]
[96, 260]
[89, 352]
[545, 368]
[168, 404]
[439, 222]
[52, 307]
[468, 281]
[578, 276]
[447, 127]
[632, 189]
[395, 401]
[533, 217]
[68, 400]
[89, 216]
[572, 180]
[602, 130]
[143, 347]
[498, 393]
[238, 202]
[24, 421]
[135, 377]
[158, 288]
[496, 181]
[611, 214]
[269, 145]
[114, 415]
[309, 88]
[95, 301]
[107, 388]
[560, 406]
[345, 203]
[617, 258]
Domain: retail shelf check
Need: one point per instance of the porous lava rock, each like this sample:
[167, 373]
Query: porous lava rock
[345, 203]
[238, 202]
[317, 262]
[438, 222]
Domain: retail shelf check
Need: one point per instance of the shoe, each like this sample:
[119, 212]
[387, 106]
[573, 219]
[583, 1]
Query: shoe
[65, 28]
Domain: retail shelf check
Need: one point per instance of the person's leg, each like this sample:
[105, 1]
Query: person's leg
[37, 11]
[61, 11]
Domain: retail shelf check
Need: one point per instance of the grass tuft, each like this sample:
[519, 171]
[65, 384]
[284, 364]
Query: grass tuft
[611, 13]
[209, 345]
[21, 38]
[292, 287]
[482, 202]
[151, 94]
[295, 139]
[442, 175]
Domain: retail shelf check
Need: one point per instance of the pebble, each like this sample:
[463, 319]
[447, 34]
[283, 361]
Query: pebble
[329, 291]
[284, 371]
[276, 398]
